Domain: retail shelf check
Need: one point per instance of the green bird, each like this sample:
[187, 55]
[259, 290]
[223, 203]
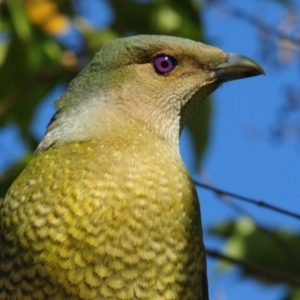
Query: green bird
[106, 209]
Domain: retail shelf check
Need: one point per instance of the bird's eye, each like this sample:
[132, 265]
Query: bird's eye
[164, 64]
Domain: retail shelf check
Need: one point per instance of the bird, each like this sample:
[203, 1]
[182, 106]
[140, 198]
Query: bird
[107, 209]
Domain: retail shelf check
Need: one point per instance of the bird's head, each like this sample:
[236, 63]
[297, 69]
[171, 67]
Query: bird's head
[159, 80]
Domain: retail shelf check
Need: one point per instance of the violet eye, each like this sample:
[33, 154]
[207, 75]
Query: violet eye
[164, 63]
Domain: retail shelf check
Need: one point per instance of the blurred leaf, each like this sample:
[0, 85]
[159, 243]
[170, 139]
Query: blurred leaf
[46, 14]
[96, 38]
[199, 127]
[293, 295]
[7, 178]
[24, 85]
[19, 19]
[274, 249]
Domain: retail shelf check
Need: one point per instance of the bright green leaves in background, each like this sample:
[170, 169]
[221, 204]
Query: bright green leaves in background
[270, 256]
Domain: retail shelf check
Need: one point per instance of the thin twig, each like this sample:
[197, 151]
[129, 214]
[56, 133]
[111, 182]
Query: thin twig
[251, 19]
[290, 253]
[247, 199]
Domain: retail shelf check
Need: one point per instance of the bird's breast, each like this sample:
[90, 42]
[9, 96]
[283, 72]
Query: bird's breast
[108, 217]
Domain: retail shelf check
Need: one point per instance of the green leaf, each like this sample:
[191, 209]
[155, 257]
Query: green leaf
[19, 19]
[8, 177]
[272, 249]
[199, 127]
[293, 295]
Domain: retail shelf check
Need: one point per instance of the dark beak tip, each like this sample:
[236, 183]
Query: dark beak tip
[237, 67]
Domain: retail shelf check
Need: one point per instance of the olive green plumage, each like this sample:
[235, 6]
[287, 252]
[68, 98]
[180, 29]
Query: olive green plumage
[106, 209]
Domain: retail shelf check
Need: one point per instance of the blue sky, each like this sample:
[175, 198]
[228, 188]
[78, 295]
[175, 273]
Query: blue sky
[255, 167]
[235, 161]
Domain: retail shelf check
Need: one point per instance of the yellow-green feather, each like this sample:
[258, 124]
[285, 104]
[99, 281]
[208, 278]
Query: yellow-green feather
[114, 218]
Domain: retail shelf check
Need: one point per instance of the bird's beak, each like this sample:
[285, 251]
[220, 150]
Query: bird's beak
[237, 67]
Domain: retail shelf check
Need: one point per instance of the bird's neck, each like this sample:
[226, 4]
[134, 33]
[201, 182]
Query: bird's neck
[101, 119]
[166, 126]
